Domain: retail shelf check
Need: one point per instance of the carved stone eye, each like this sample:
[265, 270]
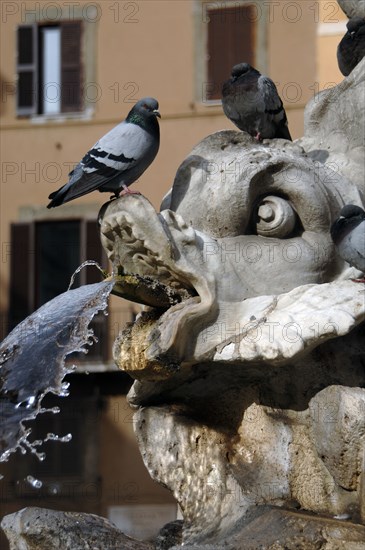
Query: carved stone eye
[275, 217]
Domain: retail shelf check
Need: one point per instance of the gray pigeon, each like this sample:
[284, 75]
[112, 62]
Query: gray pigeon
[118, 159]
[348, 235]
[251, 101]
[351, 49]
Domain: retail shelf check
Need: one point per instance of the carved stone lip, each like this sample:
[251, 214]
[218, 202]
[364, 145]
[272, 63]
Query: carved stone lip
[150, 292]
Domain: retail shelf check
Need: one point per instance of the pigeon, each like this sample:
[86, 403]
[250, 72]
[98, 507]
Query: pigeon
[251, 101]
[351, 49]
[118, 159]
[348, 235]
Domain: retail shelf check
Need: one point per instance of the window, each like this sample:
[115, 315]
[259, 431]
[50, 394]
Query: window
[227, 33]
[44, 256]
[49, 67]
[231, 40]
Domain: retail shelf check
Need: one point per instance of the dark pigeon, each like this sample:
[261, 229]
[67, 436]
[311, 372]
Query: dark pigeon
[348, 235]
[351, 49]
[251, 101]
[118, 159]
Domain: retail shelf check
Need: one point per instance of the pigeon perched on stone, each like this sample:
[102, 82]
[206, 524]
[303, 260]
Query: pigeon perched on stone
[251, 101]
[118, 159]
[351, 49]
[348, 235]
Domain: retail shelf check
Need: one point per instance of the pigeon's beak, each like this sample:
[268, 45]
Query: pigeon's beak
[156, 112]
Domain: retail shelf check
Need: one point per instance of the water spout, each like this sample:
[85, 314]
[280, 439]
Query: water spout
[32, 363]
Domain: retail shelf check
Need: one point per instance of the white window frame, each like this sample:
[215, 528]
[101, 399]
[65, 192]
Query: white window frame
[88, 55]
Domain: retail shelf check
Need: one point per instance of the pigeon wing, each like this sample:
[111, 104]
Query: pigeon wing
[237, 100]
[351, 49]
[110, 159]
[274, 108]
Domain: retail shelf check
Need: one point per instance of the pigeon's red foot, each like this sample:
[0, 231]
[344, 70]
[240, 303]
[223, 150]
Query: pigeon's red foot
[358, 280]
[128, 191]
[258, 137]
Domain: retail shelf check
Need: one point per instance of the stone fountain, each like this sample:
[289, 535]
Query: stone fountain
[248, 356]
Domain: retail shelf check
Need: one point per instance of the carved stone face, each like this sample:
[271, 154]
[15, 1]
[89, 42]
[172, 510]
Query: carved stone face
[245, 226]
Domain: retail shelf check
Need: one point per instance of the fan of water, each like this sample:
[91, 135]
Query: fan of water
[32, 362]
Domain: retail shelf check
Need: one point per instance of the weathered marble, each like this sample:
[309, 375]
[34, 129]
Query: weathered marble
[334, 127]
[277, 529]
[249, 390]
[44, 529]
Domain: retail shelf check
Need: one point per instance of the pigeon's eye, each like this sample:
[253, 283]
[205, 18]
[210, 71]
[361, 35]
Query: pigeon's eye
[275, 217]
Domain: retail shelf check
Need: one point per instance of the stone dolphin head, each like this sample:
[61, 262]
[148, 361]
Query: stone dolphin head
[247, 356]
[244, 226]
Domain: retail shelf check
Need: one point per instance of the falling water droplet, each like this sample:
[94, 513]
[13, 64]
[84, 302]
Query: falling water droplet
[5, 456]
[54, 489]
[53, 410]
[36, 483]
[53, 437]
[27, 404]
[64, 389]
[30, 402]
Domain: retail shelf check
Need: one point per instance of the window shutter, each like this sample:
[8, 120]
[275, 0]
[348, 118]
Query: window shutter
[27, 87]
[94, 251]
[21, 270]
[231, 40]
[57, 256]
[71, 66]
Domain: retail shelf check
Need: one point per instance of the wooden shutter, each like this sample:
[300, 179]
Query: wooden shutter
[21, 302]
[231, 40]
[27, 70]
[71, 66]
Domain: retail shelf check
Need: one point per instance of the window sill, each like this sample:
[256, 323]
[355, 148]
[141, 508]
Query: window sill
[208, 107]
[62, 117]
[211, 102]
